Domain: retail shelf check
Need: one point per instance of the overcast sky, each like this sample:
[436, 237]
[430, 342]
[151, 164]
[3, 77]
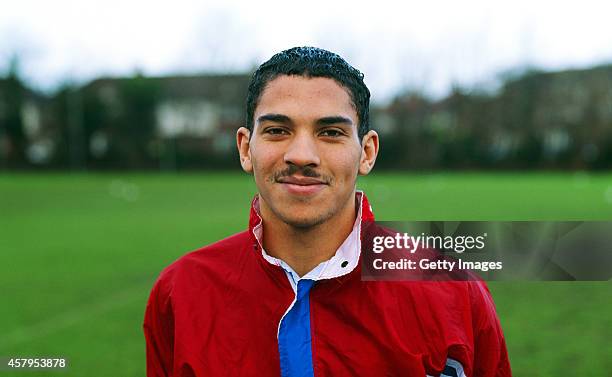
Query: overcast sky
[425, 45]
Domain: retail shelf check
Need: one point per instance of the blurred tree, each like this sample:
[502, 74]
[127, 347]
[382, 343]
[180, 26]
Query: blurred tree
[133, 132]
[118, 122]
[409, 146]
[13, 93]
[59, 113]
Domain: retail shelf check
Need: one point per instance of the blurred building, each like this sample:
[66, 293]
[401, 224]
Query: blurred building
[169, 121]
[536, 120]
[24, 117]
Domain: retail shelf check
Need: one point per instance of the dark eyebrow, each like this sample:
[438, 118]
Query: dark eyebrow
[326, 121]
[277, 118]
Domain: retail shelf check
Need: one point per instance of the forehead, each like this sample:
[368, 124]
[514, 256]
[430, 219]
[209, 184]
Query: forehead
[312, 97]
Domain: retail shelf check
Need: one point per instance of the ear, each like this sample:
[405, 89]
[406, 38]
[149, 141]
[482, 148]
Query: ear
[369, 151]
[243, 143]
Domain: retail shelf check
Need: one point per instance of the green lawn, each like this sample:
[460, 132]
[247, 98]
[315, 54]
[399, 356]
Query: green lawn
[79, 253]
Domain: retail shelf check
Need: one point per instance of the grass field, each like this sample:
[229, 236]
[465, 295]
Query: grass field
[79, 253]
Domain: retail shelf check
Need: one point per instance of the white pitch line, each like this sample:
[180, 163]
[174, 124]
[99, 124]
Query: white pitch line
[70, 318]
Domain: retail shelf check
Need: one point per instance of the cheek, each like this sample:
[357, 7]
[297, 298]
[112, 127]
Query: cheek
[264, 162]
[347, 165]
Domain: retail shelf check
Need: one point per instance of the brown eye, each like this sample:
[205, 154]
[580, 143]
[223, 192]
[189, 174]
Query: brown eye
[331, 133]
[276, 131]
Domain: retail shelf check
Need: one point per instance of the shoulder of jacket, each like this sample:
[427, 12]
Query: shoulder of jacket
[218, 253]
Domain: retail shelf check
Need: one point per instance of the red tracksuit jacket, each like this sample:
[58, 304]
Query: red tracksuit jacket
[216, 312]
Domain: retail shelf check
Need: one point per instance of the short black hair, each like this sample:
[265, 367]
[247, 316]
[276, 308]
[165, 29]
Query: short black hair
[311, 62]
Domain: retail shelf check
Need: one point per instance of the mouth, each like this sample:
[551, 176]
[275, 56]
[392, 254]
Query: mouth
[302, 185]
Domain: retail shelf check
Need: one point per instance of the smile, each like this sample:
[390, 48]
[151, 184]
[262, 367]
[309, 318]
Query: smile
[302, 185]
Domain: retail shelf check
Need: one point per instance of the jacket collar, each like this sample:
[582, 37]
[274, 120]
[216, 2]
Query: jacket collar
[346, 257]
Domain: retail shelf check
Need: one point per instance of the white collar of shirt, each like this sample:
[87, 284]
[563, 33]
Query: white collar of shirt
[344, 260]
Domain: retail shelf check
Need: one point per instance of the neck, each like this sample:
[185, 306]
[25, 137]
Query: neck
[305, 248]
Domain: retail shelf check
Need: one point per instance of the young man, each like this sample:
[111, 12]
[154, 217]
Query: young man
[285, 298]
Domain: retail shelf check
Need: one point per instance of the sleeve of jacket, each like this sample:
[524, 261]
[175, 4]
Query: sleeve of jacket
[159, 330]
[490, 353]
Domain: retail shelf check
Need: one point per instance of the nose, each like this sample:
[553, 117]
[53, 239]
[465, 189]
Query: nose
[302, 151]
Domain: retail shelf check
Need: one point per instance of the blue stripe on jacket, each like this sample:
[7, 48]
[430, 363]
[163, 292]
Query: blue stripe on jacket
[294, 341]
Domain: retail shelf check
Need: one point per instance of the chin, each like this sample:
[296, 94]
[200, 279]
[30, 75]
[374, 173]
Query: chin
[304, 221]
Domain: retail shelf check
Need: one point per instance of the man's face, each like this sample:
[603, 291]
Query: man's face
[304, 152]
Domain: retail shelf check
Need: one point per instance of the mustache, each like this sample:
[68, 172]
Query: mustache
[305, 171]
